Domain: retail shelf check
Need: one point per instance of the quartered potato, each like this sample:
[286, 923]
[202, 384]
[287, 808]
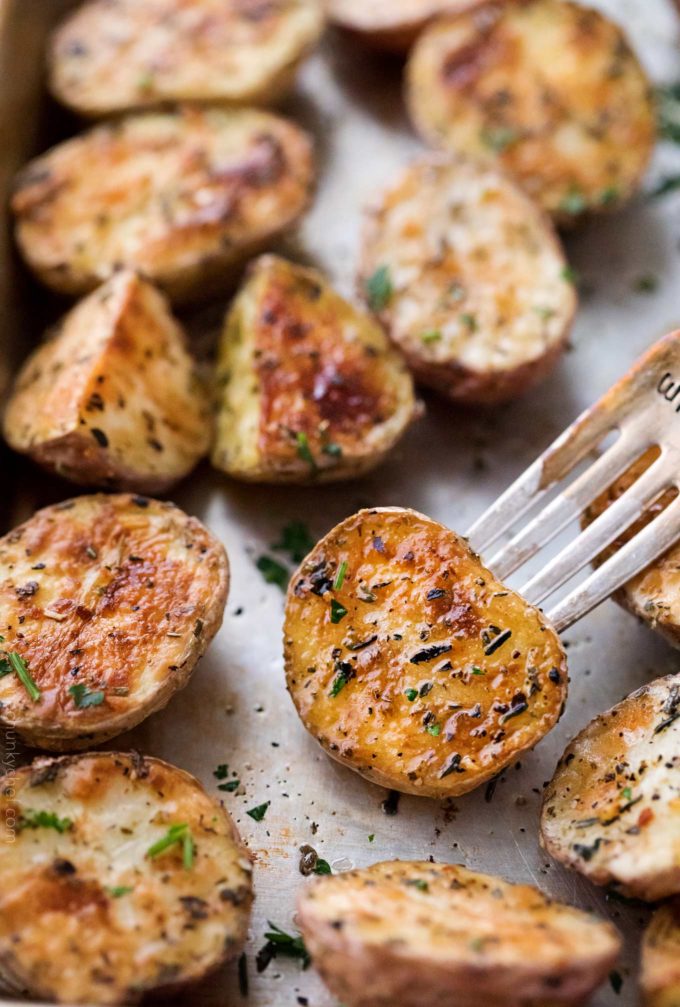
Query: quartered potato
[420, 934]
[612, 810]
[469, 279]
[549, 89]
[106, 605]
[183, 197]
[410, 663]
[310, 388]
[660, 976]
[119, 876]
[391, 24]
[112, 57]
[112, 398]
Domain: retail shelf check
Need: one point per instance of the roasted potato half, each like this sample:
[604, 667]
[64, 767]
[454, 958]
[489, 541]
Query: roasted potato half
[119, 876]
[421, 934]
[183, 197]
[391, 24]
[106, 605]
[113, 398]
[469, 279]
[549, 89]
[612, 809]
[410, 663]
[660, 975]
[310, 388]
[108, 57]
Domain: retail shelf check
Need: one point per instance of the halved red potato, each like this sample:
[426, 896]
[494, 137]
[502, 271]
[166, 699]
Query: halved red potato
[422, 934]
[119, 877]
[309, 387]
[549, 89]
[612, 809]
[468, 278]
[107, 57]
[113, 398]
[106, 605]
[391, 24]
[183, 197]
[410, 663]
[660, 975]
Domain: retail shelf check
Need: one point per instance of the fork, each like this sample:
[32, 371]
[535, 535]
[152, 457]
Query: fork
[643, 407]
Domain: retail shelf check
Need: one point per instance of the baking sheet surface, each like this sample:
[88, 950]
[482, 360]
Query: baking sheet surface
[451, 466]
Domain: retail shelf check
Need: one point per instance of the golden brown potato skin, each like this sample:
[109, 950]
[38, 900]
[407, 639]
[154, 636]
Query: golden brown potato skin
[421, 934]
[113, 398]
[660, 975]
[391, 24]
[310, 389]
[182, 197]
[611, 809]
[119, 593]
[550, 89]
[108, 57]
[417, 687]
[86, 916]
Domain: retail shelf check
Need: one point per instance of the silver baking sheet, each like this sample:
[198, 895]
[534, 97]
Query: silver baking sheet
[451, 466]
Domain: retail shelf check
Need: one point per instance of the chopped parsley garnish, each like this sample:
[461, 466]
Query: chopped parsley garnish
[379, 289]
[433, 336]
[616, 981]
[13, 662]
[229, 787]
[258, 813]
[469, 321]
[434, 729]
[43, 820]
[84, 697]
[338, 611]
[340, 576]
[609, 195]
[322, 867]
[646, 284]
[273, 571]
[477, 671]
[304, 451]
[411, 694]
[281, 943]
[627, 794]
[344, 674]
[119, 890]
[296, 540]
[499, 138]
[222, 771]
[418, 883]
[573, 202]
[333, 450]
[177, 835]
[371, 837]
[570, 274]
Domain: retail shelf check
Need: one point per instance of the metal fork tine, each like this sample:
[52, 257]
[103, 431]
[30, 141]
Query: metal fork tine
[601, 533]
[631, 559]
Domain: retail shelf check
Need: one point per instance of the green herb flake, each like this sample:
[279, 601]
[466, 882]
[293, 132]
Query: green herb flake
[609, 196]
[31, 819]
[333, 450]
[627, 794]
[411, 694]
[499, 138]
[666, 185]
[322, 867]
[574, 202]
[418, 883]
[258, 813]
[13, 662]
[222, 771]
[177, 835]
[345, 673]
[281, 943]
[340, 576]
[118, 891]
[570, 274]
[371, 837]
[432, 336]
[338, 611]
[84, 697]
[273, 572]
[296, 540]
[477, 671]
[645, 284]
[616, 981]
[434, 730]
[229, 787]
[379, 289]
[469, 321]
[304, 452]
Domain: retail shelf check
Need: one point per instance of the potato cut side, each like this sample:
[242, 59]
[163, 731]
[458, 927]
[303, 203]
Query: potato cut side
[410, 663]
[113, 398]
[548, 88]
[106, 603]
[469, 279]
[310, 388]
[119, 876]
[108, 57]
[183, 197]
[421, 934]
[391, 24]
[660, 976]
[612, 809]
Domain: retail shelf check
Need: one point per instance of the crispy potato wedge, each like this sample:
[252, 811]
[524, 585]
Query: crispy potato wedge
[612, 809]
[421, 934]
[183, 197]
[113, 398]
[660, 975]
[310, 388]
[108, 57]
[391, 24]
[410, 663]
[549, 89]
[469, 279]
[109, 602]
[99, 904]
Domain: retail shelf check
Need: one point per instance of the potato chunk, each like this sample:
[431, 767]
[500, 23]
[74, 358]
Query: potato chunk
[612, 810]
[391, 24]
[119, 876]
[310, 387]
[106, 605]
[549, 89]
[421, 934]
[410, 663]
[469, 279]
[660, 978]
[113, 398]
[183, 197]
[108, 57]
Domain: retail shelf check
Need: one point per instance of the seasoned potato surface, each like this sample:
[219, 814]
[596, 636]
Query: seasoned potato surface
[391, 24]
[410, 663]
[660, 977]
[310, 388]
[118, 876]
[111, 57]
[108, 602]
[421, 934]
[183, 197]
[612, 810]
[548, 88]
[113, 398]
[468, 278]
